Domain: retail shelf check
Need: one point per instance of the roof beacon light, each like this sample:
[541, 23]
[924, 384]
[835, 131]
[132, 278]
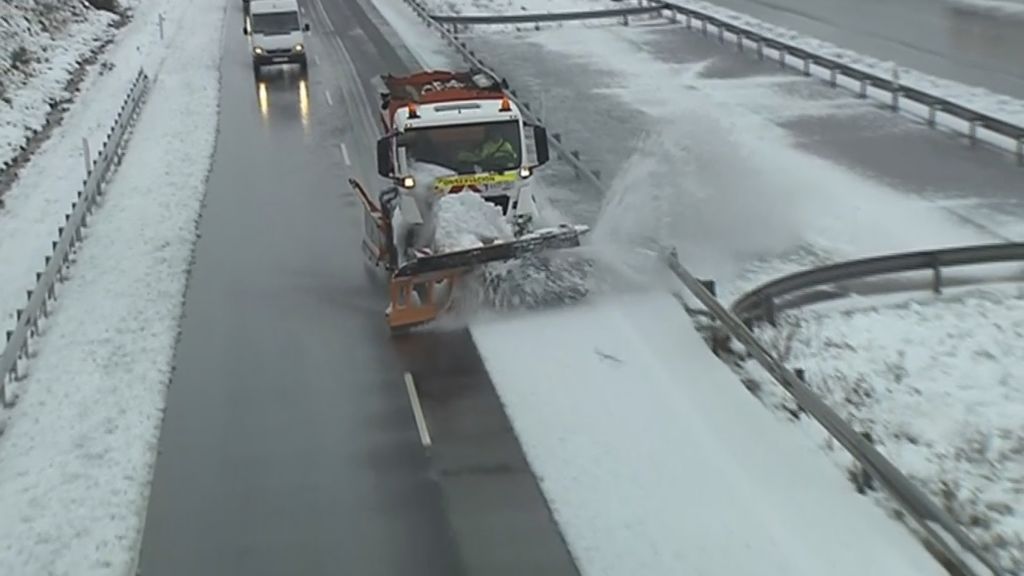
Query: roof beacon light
[506, 106]
[413, 113]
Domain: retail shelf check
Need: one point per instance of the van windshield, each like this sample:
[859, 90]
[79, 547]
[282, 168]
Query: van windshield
[271, 23]
[490, 147]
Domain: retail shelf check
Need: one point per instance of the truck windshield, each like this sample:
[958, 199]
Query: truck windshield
[271, 23]
[468, 148]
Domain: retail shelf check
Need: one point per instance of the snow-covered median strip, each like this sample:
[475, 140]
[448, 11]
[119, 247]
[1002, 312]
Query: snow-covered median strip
[78, 451]
[937, 383]
[655, 460]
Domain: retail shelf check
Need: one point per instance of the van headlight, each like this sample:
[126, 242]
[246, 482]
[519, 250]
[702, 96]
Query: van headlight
[257, 51]
[299, 48]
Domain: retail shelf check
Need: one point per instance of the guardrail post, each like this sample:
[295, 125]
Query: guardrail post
[782, 58]
[895, 100]
[768, 309]
[704, 27]
[807, 66]
[972, 132]
[932, 110]
[936, 278]
[721, 34]
[863, 88]
[833, 77]
[760, 49]
[689, 21]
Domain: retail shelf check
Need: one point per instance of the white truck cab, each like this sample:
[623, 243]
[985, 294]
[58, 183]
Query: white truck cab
[276, 34]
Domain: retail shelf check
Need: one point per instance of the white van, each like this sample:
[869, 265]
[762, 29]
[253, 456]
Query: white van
[276, 35]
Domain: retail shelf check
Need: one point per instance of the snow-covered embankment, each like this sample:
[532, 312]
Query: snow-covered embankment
[79, 448]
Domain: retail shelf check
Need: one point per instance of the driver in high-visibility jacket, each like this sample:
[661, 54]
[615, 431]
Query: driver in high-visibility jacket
[496, 150]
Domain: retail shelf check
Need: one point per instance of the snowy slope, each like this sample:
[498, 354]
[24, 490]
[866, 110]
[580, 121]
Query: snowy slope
[77, 456]
[42, 44]
[937, 382]
[655, 460]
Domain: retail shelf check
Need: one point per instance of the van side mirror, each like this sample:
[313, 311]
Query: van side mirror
[540, 138]
[384, 157]
[245, 30]
[306, 27]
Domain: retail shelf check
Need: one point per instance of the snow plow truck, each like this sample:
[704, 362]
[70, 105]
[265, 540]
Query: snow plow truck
[449, 133]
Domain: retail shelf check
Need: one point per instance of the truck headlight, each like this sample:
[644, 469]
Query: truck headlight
[299, 48]
[408, 182]
[257, 51]
[525, 172]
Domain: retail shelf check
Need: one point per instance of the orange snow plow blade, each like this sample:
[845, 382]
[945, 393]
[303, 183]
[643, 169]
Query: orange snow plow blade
[417, 300]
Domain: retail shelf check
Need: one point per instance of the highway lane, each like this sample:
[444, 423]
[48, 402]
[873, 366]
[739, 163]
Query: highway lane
[927, 35]
[288, 444]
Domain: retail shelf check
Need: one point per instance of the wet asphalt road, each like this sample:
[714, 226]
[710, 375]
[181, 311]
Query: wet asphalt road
[932, 36]
[289, 444]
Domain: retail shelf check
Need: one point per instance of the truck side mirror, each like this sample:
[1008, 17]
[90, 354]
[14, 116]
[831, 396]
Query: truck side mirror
[245, 30]
[540, 138]
[384, 157]
[306, 27]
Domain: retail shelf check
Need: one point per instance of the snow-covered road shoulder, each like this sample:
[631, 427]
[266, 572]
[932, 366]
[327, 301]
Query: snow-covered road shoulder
[656, 460]
[78, 452]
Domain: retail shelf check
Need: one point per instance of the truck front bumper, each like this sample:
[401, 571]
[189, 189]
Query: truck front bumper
[288, 57]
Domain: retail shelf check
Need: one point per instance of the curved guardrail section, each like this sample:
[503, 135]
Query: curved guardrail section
[931, 518]
[69, 235]
[762, 303]
[947, 539]
[896, 89]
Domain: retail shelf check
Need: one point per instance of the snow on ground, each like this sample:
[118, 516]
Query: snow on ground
[712, 173]
[1010, 9]
[35, 207]
[42, 43]
[938, 382]
[655, 460]
[77, 456]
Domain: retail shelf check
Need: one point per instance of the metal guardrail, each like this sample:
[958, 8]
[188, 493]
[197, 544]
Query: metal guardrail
[895, 88]
[762, 302]
[624, 13]
[931, 518]
[69, 235]
[554, 139]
